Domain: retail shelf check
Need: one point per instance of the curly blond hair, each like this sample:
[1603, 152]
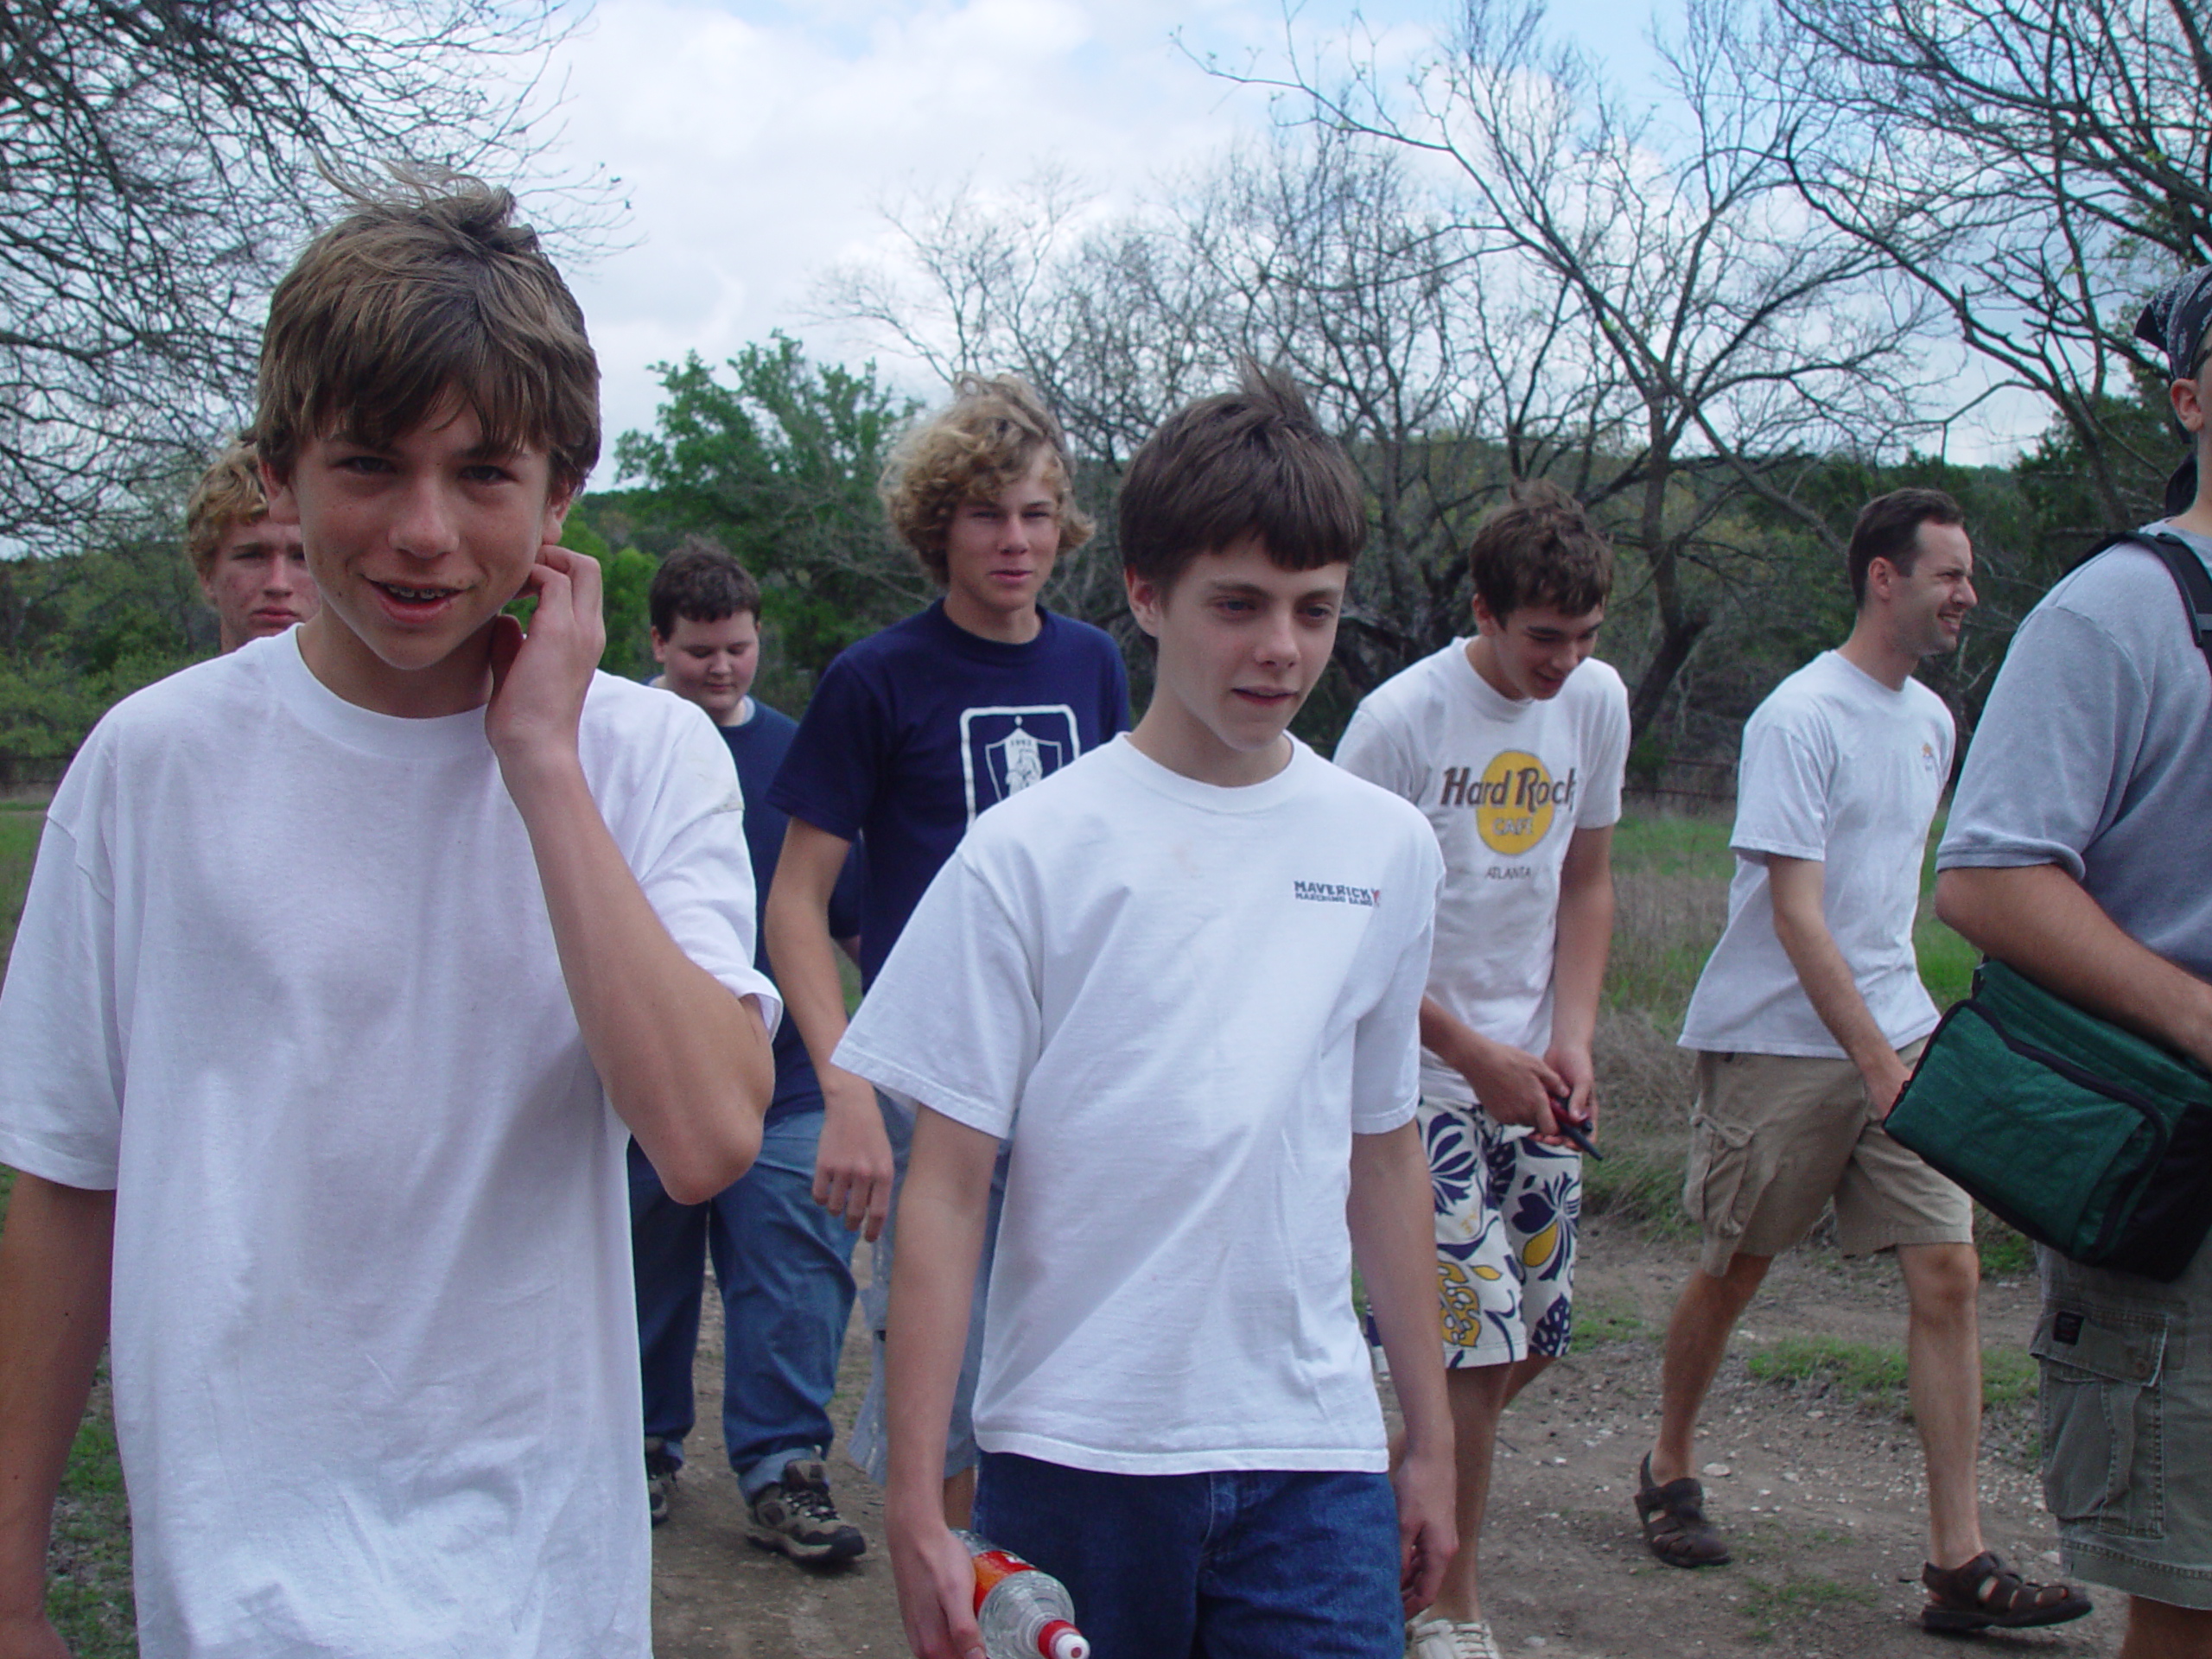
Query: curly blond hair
[229, 493]
[986, 439]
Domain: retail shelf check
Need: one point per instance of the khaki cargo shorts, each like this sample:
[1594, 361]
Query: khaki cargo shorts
[2127, 1426]
[1775, 1137]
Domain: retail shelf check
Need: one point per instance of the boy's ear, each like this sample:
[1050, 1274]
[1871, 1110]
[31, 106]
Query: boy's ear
[283, 506]
[1147, 600]
[2189, 407]
[557, 514]
[1486, 620]
[659, 644]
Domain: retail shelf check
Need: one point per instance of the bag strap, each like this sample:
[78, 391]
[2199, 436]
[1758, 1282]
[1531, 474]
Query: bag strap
[2182, 565]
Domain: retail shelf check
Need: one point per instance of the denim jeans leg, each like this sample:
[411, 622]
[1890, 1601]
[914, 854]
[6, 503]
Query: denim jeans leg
[868, 1448]
[1127, 1547]
[783, 1263]
[1306, 1564]
[668, 1247]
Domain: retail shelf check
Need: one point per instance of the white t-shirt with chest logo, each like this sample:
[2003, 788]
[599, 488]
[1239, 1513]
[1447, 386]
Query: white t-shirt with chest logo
[1505, 785]
[1838, 768]
[1181, 1002]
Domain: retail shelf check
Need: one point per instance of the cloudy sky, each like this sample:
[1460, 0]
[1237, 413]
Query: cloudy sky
[757, 142]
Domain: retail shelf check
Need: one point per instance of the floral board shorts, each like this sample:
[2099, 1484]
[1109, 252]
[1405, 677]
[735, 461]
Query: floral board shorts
[1507, 1209]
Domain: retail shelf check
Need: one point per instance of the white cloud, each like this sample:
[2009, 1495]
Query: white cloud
[756, 143]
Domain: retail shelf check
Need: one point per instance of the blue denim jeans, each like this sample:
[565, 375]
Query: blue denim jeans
[783, 1264]
[1236, 1565]
[870, 1447]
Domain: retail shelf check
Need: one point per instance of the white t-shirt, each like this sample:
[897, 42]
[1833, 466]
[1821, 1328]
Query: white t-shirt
[286, 983]
[1181, 1001]
[1836, 767]
[1504, 785]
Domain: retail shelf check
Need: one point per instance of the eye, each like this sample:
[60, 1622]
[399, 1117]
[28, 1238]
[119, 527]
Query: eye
[486, 471]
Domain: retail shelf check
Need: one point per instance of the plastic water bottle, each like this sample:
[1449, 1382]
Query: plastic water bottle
[1024, 1613]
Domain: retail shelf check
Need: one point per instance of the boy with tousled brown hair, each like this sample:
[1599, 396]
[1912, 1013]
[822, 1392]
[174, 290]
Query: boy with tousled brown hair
[1513, 745]
[781, 1262]
[373, 1351]
[251, 572]
[1182, 975]
[910, 735]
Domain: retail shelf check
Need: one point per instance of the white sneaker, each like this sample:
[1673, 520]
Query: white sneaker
[1447, 1639]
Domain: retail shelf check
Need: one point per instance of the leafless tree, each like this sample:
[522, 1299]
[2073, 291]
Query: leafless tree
[1315, 251]
[159, 162]
[1748, 339]
[2037, 168]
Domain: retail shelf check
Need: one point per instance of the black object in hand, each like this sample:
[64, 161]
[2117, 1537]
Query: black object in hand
[1574, 1131]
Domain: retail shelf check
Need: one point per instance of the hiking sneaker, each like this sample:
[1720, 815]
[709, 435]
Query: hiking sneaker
[795, 1515]
[660, 1478]
[1450, 1638]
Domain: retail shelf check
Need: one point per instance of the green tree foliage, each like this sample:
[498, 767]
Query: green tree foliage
[79, 631]
[625, 577]
[778, 462]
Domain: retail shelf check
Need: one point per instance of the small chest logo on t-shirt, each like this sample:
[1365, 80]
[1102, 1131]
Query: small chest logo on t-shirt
[1928, 758]
[1514, 800]
[1332, 893]
[1003, 751]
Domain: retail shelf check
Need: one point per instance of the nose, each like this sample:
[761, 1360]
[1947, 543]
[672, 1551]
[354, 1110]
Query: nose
[422, 524]
[1277, 647]
[284, 576]
[1966, 594]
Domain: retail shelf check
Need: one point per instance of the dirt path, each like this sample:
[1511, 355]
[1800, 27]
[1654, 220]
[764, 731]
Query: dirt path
[1822, 1500]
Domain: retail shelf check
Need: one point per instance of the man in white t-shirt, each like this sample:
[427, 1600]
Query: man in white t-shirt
[1806, 1022]
[1513, 745]
[1182, 975]
[373, 1351]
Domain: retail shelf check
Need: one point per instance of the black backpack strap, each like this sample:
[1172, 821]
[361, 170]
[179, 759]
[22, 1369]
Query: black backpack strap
[2182, 565]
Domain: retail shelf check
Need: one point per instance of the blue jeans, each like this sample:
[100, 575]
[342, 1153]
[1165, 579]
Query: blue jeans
[870, 1447]
[783, 1263]
[1235, 1564]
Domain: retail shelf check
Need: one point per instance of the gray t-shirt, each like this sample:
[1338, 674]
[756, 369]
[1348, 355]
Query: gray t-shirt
[2094, 753]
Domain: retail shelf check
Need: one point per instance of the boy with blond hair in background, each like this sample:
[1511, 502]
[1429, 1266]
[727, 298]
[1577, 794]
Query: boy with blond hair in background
[251, 570]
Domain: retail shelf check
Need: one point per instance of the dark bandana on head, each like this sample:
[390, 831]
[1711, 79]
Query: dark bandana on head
[2175, 321]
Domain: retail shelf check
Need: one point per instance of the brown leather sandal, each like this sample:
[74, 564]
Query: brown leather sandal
[1987, 1594]
[1675, 1527]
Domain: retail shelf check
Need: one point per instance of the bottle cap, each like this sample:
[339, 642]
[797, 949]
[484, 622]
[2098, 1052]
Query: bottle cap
[1061, 1640]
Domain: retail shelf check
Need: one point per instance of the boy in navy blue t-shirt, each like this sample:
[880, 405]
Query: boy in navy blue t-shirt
[912, 733]
[781, 1263]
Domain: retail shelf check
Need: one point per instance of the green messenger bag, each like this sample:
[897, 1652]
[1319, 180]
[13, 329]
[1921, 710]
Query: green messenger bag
[2084, 1136]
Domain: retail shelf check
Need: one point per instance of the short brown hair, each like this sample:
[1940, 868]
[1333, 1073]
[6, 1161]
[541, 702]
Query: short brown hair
[1538, 547]
[1249, 462]
[701, 581]
[416, 298]
[228, 493]
[986, 439]
[1888, 527]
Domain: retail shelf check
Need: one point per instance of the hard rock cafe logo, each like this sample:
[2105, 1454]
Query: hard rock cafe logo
[1514, 800]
